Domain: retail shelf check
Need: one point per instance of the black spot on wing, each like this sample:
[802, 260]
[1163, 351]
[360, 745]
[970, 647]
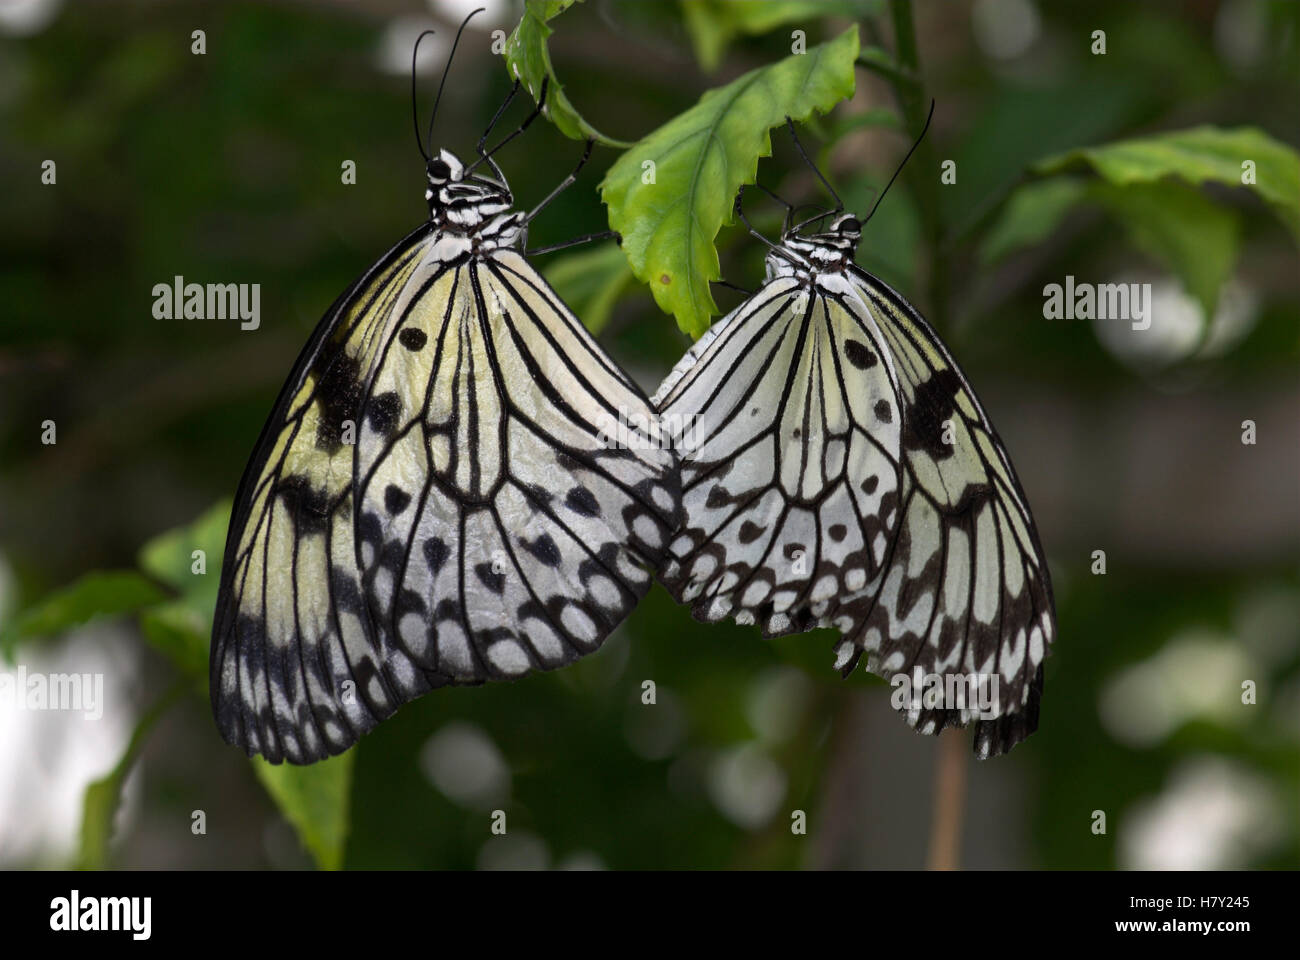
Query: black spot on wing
[412, 338]
[583, 501]
[934, 402]
[436, 553]
[859, 355]
[490, 577]
[395, 499]
[338, 394]
[883, 411]
[543, 549]
[383, 412]
[310, 508]
[540, 494]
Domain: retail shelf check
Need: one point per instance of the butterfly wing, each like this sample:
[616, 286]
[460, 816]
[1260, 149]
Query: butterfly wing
[287, 606]
[843, 474]
[499, 532]
[790, 466]
[966, 589]
[479, 527]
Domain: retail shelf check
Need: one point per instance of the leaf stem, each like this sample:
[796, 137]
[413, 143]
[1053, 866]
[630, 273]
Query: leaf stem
[877, 61]
[924, 176]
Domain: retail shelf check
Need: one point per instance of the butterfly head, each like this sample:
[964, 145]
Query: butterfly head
[828, 251]
[468, 203]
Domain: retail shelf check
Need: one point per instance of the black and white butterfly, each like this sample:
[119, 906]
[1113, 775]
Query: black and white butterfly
[434, 499]
[838, 471]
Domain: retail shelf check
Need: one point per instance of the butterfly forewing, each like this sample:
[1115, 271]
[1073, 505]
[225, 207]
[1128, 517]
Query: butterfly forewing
[968, 591]
[435, 500]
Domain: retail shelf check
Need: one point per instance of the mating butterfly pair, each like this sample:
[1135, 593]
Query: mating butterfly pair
[433, 500]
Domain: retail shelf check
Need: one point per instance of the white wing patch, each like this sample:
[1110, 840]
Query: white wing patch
[790, 477]
[835, 430]
[479, 528]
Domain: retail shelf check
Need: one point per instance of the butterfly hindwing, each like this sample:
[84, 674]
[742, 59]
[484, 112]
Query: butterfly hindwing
[791, 472]
[502, 502]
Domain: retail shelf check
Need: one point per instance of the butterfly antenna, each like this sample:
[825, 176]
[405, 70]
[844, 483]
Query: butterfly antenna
[910, 151]
[445, 70]
[415, 111]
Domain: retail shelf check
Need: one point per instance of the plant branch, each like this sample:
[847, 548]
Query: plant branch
[949, 800]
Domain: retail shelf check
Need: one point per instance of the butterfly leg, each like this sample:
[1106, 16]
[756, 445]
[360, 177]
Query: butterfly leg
[789, 207]
[586, 238]
[563, 184]
[537, 112]
[740, 214]
[731, 286]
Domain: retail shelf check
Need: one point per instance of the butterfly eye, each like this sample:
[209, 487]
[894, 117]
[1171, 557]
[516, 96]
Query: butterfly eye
[438, 170]
[849, 225]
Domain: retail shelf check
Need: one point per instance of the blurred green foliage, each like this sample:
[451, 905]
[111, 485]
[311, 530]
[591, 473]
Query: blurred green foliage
[227, 165]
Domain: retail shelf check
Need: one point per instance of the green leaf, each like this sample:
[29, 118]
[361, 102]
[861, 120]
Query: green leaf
[591, 282]
[102, 797]
[1031, 215]
[1192, 236]
[529, 59]
[701, 158]
[709, 30]
[180, 629]
[1199, 155]
[99, 594]
[181, 633]
[713, 24]
[170, 556]
[315, 800]
[1195, 237]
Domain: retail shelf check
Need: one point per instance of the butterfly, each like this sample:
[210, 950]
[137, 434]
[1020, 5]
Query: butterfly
[839, 471]
[434, 499]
